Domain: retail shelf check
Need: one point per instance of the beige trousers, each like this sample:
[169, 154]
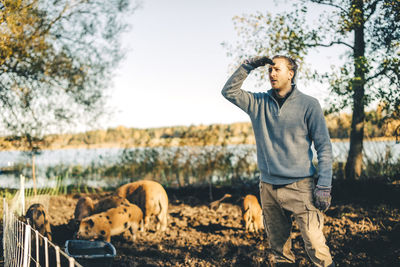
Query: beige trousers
[278, 204]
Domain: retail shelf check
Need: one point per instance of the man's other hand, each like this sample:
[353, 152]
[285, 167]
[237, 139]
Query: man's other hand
[322, 198]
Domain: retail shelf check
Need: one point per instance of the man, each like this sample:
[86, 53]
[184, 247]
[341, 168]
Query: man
[285, 123]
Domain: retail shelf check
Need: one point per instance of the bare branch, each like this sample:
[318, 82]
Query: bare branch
[60, 15]
[331, 44]
[382, 72]
[329, 3]
[372, 8]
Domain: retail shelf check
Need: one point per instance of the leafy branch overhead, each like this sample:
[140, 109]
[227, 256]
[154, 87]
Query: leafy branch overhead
[56, 60]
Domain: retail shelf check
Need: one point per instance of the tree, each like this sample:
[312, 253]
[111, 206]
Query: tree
[56, 61]
[369, 32]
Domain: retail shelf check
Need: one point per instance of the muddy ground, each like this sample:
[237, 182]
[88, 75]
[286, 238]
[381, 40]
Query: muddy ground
[362, 229]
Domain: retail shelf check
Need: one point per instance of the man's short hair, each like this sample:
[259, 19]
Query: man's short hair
[291, 64]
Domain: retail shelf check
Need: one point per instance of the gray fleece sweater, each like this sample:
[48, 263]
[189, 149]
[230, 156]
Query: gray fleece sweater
[284, 135]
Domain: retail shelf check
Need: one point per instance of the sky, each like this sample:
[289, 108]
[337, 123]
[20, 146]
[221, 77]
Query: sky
[176, 67]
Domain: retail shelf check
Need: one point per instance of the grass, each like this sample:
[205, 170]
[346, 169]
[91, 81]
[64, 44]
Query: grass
[212, 166]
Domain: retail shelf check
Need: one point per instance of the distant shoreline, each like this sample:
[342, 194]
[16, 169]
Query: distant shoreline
[374, 139]
[121, 145]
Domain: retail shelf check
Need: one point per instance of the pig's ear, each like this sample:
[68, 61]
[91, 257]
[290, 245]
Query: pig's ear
[90, 222]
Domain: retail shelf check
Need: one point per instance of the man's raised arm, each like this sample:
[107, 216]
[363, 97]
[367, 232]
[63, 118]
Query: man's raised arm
[232, 89]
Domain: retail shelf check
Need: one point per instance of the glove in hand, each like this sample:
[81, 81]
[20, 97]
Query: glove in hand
[322, 198]
[255, 62]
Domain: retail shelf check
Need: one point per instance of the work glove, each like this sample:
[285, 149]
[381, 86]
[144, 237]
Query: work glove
[255, 62]
[322, 198]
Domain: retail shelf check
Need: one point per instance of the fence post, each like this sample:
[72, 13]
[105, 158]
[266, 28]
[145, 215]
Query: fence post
[22, 193]
[37, 248]
[71, 262]
[4, 225]
[58, 256]
[46, 252]
[27, 241]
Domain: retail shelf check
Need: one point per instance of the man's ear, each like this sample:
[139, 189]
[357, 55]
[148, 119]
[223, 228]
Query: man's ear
[291, 74]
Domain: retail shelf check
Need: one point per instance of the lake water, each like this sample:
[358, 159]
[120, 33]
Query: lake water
[373, 151]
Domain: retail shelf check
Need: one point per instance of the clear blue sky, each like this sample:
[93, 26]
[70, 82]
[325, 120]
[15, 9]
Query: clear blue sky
[176, 67]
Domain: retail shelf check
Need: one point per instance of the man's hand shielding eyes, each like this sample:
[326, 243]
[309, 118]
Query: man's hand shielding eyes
[255, 62]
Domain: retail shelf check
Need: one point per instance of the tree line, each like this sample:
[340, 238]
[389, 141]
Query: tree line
[339, 126]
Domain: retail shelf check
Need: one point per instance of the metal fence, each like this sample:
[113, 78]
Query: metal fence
[23, 246]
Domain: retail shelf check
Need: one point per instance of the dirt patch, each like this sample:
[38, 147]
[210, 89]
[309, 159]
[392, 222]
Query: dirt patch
[358, 234]
[362, 229]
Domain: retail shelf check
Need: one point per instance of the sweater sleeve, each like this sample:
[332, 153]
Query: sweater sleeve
[319, 134]
[232, 90]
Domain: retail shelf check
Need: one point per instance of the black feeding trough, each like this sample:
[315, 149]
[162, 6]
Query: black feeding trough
[91, 253]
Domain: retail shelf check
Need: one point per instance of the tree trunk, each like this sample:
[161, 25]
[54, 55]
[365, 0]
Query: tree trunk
[354, 160]
[34, 174]
[210, 188]
[178, 179]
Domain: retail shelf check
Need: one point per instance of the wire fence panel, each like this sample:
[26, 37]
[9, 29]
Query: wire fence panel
[25, 247]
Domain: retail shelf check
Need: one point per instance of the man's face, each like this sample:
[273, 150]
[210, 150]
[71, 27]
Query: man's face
[280, 75]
